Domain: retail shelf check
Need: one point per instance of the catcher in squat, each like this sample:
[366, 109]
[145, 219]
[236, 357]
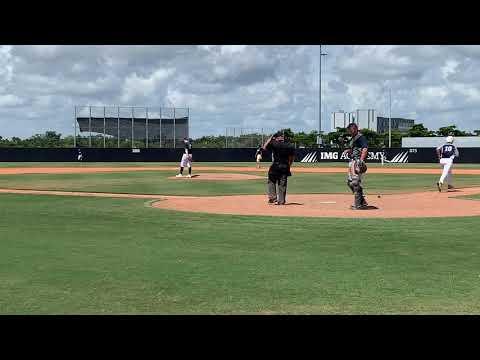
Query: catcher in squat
[358, 151]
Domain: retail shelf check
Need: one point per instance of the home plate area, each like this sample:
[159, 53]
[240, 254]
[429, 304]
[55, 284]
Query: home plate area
[427, 204]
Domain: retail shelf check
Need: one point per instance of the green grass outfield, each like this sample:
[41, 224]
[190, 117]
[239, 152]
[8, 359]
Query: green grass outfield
[264, 164]
[472, 197]
[70, 255]
[158, 182]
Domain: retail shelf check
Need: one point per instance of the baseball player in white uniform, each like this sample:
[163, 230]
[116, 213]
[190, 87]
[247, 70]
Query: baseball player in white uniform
[446, 154]
[186, 158]
[258, 156]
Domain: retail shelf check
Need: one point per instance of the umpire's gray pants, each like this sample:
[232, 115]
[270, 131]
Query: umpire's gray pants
[279, 194]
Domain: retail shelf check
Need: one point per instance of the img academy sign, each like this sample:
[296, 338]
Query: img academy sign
[314, 156]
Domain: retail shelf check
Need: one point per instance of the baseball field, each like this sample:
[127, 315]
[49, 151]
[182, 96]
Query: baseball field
[130, 238]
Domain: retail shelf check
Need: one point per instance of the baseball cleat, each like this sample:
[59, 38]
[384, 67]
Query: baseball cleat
[189, 176]
[178, 175]
[361, 207]
[450, 187]
[439, 186]
[272, 202]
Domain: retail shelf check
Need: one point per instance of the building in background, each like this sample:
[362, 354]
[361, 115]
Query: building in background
[398, 124]
[434, 141]
[351, 117]
[366, 119]
[339, 119]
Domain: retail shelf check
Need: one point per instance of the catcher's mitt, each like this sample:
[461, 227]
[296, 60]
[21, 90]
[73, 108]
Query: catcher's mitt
[360, 167]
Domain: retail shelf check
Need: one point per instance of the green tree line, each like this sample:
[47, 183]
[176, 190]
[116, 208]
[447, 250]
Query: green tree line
[337, 138]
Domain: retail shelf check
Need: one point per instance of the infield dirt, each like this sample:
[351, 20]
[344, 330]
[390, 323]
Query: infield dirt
[331, 170]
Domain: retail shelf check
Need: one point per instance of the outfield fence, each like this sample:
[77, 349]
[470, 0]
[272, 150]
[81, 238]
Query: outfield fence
[393, 155]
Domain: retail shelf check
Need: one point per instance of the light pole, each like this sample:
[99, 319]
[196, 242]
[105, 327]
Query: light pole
[320, 96]
[390, 121]
[174, 123]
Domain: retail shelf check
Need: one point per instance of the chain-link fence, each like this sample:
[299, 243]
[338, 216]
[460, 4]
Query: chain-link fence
[130, 126]
[247, 137]
[234, 137]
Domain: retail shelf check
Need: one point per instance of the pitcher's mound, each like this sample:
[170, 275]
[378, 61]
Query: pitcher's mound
[219, 177]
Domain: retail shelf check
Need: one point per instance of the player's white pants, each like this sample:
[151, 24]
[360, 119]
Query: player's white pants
[186, 160]
[447, 170]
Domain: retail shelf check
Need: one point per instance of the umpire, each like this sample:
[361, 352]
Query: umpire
[283, 156]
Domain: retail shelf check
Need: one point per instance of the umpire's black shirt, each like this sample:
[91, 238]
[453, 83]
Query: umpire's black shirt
[281, 152]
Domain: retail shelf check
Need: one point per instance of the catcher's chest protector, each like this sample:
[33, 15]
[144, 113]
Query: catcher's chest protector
[356, 151]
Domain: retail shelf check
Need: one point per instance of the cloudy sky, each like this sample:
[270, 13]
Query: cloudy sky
[238, 86]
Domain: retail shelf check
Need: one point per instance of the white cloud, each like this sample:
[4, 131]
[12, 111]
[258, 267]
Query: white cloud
[136, 86]
[232, 49]
[6, 63]
[238, 85]
[449, 68]
[10, 100]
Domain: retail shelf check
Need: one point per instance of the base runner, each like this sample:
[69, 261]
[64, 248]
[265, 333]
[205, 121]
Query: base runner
[358, 151]
[446, 154]
[258, 156]
[186, 158]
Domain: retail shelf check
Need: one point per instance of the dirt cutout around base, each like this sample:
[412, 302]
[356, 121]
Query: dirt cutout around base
[413, 205]
[219, 177]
